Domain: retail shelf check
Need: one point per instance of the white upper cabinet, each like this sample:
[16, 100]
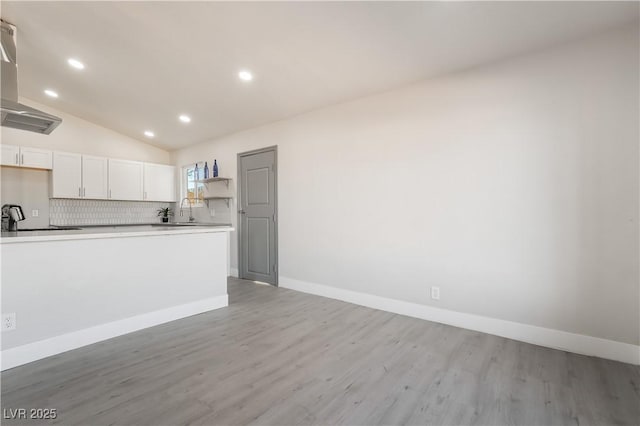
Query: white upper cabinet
[100, 178]
[79, 176]
[10, 155]
[125, 180]
[159, 182]
[34, 158]
[95, 177]
[66, 177]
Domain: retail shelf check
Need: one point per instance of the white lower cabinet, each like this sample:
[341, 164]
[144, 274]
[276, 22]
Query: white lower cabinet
[125, 180]
[159, 182]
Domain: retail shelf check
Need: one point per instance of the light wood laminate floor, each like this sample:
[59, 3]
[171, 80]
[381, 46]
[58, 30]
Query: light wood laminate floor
[279, 357]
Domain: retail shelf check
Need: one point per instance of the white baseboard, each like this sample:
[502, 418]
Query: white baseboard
[233, 272]
[30, 352]
[556, 339]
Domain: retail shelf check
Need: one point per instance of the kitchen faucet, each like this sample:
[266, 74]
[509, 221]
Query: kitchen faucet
[191, 218]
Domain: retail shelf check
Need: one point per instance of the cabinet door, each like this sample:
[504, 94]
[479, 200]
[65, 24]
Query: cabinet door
[10, 155]
[95, 177]
[159, 182]
[36, 158]
[66, 177]
[125, 180]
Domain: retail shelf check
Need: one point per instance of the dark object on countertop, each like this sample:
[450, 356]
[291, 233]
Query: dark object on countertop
[11, 215]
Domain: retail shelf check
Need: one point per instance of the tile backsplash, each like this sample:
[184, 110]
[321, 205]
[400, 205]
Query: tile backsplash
[67, 212]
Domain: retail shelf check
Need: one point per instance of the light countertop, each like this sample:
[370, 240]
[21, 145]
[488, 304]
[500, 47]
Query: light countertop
[112, 231]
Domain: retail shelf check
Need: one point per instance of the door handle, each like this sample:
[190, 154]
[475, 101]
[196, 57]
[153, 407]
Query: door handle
[241, 211]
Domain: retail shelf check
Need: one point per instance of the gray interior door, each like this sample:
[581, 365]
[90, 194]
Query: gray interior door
[257, 216]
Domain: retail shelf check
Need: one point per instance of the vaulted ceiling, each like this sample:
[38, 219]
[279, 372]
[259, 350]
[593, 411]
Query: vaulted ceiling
[148, 62]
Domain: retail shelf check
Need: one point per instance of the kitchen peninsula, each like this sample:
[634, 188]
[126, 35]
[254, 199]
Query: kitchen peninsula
[70, 288]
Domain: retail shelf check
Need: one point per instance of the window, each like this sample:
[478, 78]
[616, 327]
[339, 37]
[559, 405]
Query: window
[191, 188]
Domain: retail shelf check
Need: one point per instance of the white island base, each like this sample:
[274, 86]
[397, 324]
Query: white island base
[71, 292]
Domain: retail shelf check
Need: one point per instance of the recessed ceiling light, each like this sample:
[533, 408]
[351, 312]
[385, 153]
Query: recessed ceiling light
[51, 93]
[185, 118]
[75, 63]
[245, 75]
[149, 133]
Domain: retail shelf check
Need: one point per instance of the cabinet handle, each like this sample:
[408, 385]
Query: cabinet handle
[22, 160]
[79, 192]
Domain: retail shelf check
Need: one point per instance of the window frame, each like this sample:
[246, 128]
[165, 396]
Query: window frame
[184, 182]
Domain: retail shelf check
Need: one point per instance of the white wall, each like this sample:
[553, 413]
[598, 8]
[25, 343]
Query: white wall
[514, 187]
[84, 137]
[29, 188]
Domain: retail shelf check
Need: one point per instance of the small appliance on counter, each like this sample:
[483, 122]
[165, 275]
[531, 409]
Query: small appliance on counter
[11, 215]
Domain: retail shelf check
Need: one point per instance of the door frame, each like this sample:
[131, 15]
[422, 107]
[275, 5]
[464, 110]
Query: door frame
[273, 148]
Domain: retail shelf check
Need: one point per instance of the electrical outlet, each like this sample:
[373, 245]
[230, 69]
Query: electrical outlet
[9, 321]
[435, 293]
[35, 213]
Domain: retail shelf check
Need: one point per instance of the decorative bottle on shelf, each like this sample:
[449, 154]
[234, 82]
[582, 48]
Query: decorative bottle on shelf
[206, 170]
[196, 173]
[215, 168]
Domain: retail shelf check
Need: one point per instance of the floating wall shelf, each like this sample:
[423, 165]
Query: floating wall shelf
[217, 197]
[215, 179]
[226, 199]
